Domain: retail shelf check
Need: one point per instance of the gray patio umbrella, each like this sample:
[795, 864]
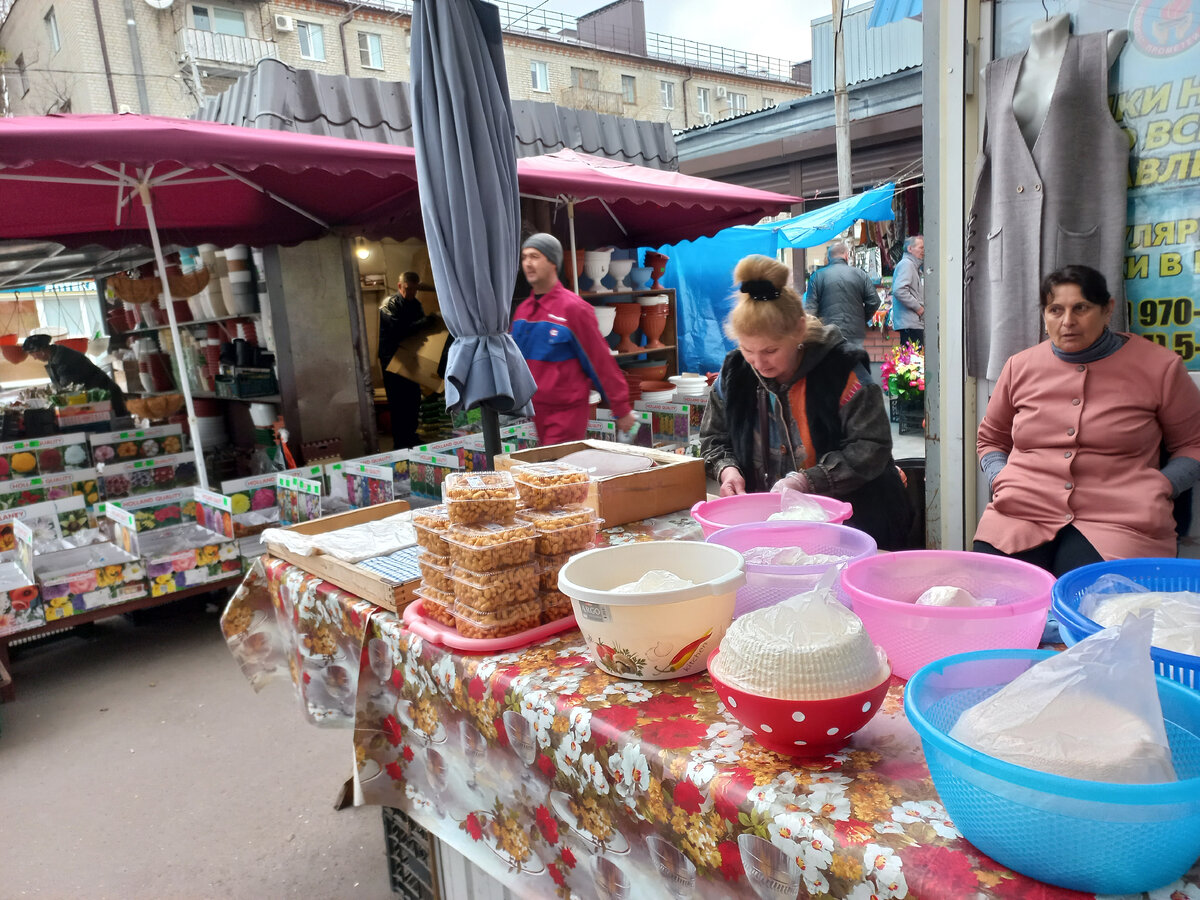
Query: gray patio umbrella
[463, 135]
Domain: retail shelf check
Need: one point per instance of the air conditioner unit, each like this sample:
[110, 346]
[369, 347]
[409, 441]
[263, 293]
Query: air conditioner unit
[720, 92]
[284, 23]
[706, 118]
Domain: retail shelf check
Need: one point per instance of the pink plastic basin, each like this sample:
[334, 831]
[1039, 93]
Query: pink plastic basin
[713, 515]
[883, 589]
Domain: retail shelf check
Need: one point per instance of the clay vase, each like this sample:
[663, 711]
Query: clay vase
[658, 265]
[618, 269]
[596, 263]
[605, 317]
[626, 323]
[653, 323]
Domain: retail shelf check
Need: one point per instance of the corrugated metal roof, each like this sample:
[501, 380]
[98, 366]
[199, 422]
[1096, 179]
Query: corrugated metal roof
[870, 52]
[888, 11]
[275, 95]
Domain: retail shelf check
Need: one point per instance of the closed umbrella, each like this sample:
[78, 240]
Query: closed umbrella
[463, 135]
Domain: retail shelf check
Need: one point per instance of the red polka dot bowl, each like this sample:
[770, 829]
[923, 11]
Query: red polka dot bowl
[799, 727]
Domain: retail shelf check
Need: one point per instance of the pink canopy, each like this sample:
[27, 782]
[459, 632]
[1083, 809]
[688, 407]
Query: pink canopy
[631, 205]
[74, 179]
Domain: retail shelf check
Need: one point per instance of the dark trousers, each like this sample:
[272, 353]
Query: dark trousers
[1066, 551]
[912, 335]
[404, 406]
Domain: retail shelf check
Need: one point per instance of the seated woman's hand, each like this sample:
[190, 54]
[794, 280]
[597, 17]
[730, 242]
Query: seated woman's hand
[732, 482]
[792, 481]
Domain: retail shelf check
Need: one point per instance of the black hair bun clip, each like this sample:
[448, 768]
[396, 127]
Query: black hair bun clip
[760, 289]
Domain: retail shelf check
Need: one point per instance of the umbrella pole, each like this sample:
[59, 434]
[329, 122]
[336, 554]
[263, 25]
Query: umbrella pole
[201, 472]
[574, 255]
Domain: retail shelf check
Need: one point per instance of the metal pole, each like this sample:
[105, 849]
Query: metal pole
[841, 105]
[144, 193]
[574, 255]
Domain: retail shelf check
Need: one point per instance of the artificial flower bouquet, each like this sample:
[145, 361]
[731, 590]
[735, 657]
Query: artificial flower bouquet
[903, 371]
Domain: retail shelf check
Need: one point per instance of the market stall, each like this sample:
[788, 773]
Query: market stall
[552, 776]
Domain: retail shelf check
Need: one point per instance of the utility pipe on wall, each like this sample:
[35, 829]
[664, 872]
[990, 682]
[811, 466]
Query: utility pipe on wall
[135, 51]
[103, 42]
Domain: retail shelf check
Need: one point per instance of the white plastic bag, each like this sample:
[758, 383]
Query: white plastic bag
[797, 506]
[1091, 712]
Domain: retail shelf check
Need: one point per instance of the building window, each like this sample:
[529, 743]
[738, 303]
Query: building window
[629, 89]
[312, 40]
[539, 76]
[218, 20]
[23, 74]
[370, 50]
[703, 96]
[52, 31]
[737, 103]
[667, 91]
[588, 79]
[768, 102]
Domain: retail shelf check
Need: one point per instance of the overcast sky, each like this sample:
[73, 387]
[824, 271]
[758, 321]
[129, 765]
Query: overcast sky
[777, 28]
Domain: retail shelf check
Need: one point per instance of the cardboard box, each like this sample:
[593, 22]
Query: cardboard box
[349, 577]
[73, 581]
[674, 483]
[419, 358]
[20, 600]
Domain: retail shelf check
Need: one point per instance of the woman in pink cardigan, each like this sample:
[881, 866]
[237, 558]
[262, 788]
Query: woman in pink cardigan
[1074, 434]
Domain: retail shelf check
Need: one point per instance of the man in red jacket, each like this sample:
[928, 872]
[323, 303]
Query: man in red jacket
[560, 339]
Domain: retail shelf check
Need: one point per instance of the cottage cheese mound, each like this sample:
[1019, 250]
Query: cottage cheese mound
[654, 581]
[948, 595]
[807, 648]
[1176, 617]
[790, 556]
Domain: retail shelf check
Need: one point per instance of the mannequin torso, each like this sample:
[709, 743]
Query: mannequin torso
[1038, 75]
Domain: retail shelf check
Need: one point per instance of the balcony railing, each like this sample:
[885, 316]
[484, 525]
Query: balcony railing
[225, 53]
[593, 99]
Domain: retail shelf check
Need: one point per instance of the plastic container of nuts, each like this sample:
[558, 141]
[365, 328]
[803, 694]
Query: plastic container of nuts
[497, 589]
[430, 524]
[494, 623]
[548, 567]
[472, 497]
[563, 530]
[487, 546]
[551, 485]
[555, 605]
[436, 571]
[417, 619]
[436, 605]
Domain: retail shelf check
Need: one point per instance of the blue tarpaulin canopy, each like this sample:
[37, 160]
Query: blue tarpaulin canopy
[824, 224]
[885, 12]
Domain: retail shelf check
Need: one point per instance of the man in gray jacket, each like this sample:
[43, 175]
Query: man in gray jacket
[841, 294]
[908, 292]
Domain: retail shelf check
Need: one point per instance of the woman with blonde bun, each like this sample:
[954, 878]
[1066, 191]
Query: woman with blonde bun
[794, 407]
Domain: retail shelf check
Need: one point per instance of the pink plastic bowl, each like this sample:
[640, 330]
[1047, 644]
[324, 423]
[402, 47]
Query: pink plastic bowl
[713, 515]
[883, 589]
[799, 727]
[766, 585]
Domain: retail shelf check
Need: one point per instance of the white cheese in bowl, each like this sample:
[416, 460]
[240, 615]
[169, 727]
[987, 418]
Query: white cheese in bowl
[807, 648]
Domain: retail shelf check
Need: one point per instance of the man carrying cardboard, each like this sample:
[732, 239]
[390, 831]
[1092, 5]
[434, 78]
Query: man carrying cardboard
[560, 339]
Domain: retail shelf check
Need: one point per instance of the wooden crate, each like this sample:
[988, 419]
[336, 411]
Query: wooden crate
[349, 577]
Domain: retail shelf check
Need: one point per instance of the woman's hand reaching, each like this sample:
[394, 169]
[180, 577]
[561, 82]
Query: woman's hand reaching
[793, 481]
[732, 481]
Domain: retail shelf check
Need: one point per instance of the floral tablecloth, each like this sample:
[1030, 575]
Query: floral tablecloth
[560, 780]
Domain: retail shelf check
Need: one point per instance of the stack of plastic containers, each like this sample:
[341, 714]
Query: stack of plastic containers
[553, 495]
[493, 577]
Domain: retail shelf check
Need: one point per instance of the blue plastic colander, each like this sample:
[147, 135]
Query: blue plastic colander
[1084, 835]
[1152, 574]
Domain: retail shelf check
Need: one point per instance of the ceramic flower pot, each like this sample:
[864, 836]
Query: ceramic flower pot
[595, 264]
[639, 277]
[605, 317]
[618, 271]
[658, 265]
[653, 324]
[626, 323]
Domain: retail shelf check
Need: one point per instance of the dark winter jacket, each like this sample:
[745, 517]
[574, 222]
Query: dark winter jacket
[843, 445]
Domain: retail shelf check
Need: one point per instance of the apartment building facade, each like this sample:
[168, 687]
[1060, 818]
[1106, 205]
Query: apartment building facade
[164, 56]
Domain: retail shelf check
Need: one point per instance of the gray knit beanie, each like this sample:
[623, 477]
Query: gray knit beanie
[547, 245]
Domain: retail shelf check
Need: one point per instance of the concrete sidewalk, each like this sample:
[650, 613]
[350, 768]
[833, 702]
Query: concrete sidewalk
[138, 763]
